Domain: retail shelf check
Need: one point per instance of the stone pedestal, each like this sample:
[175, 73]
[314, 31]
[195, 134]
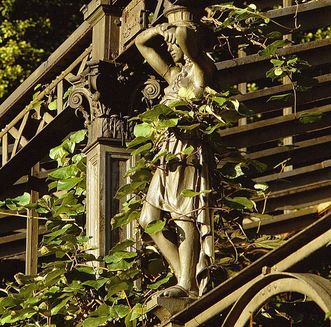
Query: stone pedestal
[164, 307]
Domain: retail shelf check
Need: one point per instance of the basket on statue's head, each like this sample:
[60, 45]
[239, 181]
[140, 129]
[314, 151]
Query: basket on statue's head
[178, 11]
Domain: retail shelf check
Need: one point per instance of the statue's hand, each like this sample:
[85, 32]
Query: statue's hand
[168, 32]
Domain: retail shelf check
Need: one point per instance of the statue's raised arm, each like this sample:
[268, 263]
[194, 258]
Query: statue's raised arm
[187, 61]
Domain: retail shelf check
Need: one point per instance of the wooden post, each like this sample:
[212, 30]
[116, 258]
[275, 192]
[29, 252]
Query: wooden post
[105, 34]
[32, 232]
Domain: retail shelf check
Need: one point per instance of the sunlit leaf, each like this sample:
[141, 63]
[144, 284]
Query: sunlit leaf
[143, 130]
[52, 105]
[190, 193]
[160, 282]
[155, 226]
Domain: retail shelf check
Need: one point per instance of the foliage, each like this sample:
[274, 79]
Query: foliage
[22, 46]
[73, 287]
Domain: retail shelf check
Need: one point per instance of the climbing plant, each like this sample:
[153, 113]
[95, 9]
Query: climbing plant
[73, 287]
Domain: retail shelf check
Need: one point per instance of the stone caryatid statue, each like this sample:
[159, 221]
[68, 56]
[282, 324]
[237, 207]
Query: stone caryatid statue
[190, 250]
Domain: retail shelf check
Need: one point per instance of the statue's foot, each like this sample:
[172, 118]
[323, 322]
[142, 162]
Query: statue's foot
[178, 291]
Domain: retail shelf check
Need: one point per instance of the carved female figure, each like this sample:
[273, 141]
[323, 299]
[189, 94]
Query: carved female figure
[191, 251]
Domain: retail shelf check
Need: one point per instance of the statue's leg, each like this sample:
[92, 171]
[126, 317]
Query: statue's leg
[168, 249]
[188, 249]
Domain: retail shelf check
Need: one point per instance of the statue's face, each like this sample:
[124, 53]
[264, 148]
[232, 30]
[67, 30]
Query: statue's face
[175, 52]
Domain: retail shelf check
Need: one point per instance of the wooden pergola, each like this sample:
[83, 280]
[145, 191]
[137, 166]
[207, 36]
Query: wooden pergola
[109, 80]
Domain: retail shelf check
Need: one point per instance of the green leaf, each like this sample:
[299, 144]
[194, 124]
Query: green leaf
[210, 111]
[142, 149]
[186, 94]
[159, 155]
[53, 277]
[121, 310]
[235, 103]
[160, 282]
[129, 189]
[78, 136]
[179, 104]
[154, 114]
[278, 71]
[23, 200]
[64, 172]
[55, 310]
[240, 202]
[58, 152]
[188, 151]
[211, 129]
[69, 145]
[261, 186]
[117, 287]
[52, 105]
[143, 130]
[137, 311]
[189, 127]
[57, 233]
[118, 256]
[137, 141]
[277, 62]
[310, 117]
[275, 35]
[168, 123]
[122, 245]
[96, 284]
[232, 170]
[219, 100]
[68, 183]
[210, 91]
[123, 218]
[155, 227]
[190, 193]
[37, 87]
[67, 93]
[271, 49]
[121, 265]
[95, 321]
[86, 270]
[281, 97]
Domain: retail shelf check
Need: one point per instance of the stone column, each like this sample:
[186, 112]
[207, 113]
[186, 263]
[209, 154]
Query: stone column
[106, 167]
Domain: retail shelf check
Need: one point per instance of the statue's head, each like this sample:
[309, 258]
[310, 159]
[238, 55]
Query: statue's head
[176, 53]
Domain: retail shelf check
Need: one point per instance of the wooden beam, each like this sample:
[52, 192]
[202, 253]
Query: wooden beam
[319, 149]
[253, 67]
[274, 128]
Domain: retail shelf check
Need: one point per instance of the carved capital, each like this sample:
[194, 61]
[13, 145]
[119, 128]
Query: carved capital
[91, 98]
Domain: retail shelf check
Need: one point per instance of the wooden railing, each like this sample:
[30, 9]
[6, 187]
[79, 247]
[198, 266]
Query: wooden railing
[45, 106]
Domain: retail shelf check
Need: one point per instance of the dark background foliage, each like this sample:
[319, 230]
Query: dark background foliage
[29, 33]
